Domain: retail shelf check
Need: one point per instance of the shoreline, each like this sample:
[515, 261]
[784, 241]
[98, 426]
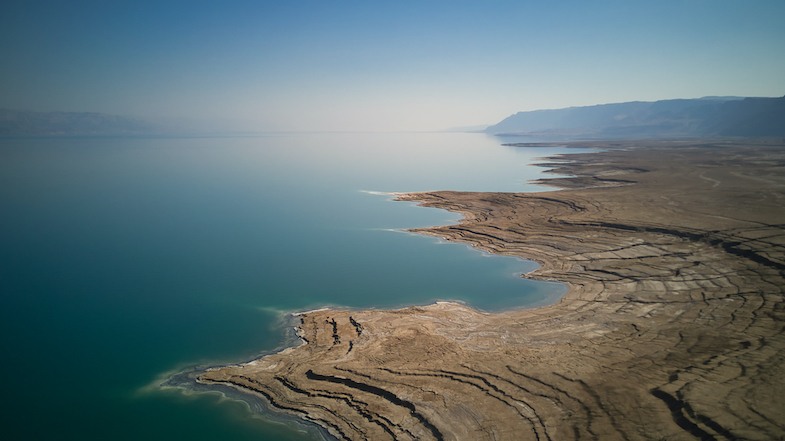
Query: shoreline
[187, 381]
[258, 405]
[661, 280]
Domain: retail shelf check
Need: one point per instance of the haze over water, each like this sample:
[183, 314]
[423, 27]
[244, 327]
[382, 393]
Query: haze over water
[127, 258]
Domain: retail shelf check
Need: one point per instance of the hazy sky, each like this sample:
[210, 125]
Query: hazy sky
[392, 65]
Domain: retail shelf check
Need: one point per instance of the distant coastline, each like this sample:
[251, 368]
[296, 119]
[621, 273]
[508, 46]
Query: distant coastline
[722, 116]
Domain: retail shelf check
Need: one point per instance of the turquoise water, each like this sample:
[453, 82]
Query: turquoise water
[123, 259]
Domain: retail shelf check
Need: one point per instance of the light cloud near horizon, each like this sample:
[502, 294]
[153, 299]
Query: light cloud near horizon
[352, 65]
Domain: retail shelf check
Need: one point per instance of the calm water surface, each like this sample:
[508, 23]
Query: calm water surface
[122, 259]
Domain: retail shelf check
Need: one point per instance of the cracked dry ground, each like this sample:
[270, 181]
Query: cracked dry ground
[672, 327]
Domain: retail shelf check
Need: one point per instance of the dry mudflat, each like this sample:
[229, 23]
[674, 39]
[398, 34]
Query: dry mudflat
[672, 328]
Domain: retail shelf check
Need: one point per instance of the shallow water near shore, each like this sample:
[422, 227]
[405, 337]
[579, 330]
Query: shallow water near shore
[126, 258]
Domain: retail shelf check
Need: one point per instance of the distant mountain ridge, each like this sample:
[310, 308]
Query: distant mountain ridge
[708, 116]
[29, 123]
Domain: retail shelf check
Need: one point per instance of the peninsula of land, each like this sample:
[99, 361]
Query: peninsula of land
[672, 327]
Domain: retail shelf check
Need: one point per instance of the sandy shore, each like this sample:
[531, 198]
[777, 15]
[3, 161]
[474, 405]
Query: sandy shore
[672, 327]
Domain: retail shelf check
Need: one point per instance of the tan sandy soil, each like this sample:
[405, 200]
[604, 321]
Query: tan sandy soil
[672, 327]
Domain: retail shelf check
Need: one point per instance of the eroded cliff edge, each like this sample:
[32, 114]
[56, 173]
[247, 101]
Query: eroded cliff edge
[672, 327]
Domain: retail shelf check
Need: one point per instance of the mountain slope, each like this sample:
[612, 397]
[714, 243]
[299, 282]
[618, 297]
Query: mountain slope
[28, 123]
[717, 116]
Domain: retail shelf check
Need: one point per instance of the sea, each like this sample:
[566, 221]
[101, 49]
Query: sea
[124, 260]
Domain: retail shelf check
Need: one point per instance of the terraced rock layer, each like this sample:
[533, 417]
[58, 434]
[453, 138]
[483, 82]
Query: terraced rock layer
[672, 327]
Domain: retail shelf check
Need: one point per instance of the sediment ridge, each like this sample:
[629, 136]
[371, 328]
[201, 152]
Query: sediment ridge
[672, 327]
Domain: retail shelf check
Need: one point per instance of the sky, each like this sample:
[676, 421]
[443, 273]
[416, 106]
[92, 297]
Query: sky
[379, 65]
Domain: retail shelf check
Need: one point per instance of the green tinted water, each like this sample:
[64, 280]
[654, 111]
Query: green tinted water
[124, 259]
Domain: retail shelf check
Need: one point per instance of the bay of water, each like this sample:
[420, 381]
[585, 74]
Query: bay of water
[122, 259]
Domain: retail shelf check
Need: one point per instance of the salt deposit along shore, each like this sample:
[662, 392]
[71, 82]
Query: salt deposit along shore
[672, 327]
